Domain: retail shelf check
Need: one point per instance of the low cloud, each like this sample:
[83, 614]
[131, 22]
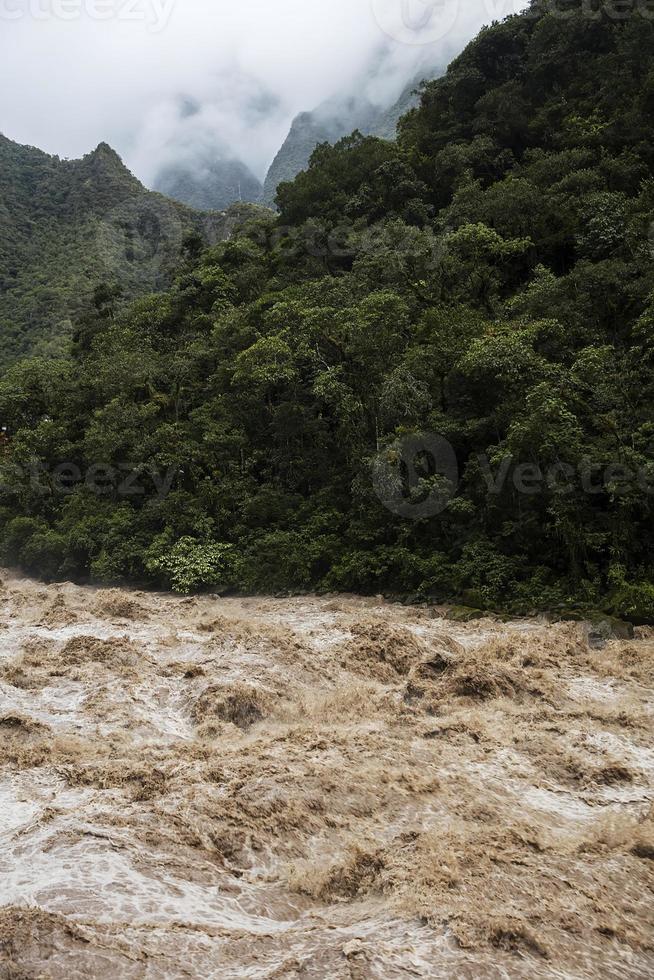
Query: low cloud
[169, 81]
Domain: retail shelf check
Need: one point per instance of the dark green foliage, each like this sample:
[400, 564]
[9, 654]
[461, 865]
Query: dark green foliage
[67, 226]
[489, 278]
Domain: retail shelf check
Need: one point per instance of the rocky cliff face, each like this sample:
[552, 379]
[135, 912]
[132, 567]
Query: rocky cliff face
[306, 132]
[329, 123]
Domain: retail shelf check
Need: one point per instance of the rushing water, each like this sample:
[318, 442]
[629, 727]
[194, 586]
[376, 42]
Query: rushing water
[318, 787]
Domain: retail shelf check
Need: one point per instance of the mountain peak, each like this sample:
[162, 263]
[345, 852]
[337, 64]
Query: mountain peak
[104, 165]
[105, 153]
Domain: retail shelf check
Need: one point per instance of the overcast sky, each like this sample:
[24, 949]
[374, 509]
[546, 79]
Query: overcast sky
[150, 75]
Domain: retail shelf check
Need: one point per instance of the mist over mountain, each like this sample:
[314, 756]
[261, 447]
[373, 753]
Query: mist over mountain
[191, 150]
[212, 187]
[338, 117]
[210, 79]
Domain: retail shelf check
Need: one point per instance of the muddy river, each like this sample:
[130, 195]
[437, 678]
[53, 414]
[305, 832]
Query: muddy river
[325, 787]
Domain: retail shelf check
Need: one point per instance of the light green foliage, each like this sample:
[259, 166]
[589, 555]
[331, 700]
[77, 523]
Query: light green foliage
[190, 565]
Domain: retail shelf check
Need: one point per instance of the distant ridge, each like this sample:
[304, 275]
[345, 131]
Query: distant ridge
[212, 187]
[67, 226]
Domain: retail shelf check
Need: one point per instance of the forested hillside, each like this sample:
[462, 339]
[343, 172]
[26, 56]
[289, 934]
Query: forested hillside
[66, 226]
[487, 279]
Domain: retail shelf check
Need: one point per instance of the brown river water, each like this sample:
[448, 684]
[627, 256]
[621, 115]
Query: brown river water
[326, 787]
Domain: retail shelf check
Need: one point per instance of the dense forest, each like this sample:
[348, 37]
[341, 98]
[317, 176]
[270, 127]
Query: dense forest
[487, 279]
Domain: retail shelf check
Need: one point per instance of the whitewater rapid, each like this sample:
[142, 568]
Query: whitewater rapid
[318, 787]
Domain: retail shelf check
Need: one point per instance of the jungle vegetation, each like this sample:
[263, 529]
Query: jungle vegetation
[488, 277]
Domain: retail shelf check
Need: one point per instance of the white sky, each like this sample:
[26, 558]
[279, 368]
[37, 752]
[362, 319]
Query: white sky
[76, 72]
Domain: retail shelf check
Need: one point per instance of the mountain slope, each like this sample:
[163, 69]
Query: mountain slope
[212, 187]
[332, 121]
[306, 132]
[67, 226]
